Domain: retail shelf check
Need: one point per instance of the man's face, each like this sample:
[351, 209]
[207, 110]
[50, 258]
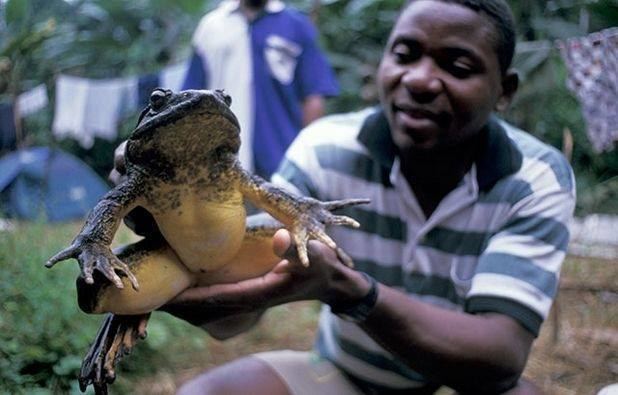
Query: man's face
[439, 78]
[255, 3]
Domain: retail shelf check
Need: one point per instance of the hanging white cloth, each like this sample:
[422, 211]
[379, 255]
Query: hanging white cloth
[32, 100]
[592, 64]
[87, 108]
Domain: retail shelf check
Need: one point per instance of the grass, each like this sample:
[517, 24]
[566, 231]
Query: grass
[577, 356]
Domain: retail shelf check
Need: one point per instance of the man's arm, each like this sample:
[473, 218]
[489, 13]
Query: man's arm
[467, 352]
[313, 108]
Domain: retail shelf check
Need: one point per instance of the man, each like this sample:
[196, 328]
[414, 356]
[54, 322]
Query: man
[266, 56]
[459, 251]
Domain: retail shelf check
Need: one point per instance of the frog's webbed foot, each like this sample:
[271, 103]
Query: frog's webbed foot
[115, 339]
[311, 218]
[92, 255]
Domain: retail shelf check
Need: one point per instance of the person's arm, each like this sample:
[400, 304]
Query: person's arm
[470, 353]
[313, 108]
[479, 353]
[465, 351]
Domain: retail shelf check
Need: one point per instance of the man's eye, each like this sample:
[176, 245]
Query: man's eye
[459, 69]
[404, 53]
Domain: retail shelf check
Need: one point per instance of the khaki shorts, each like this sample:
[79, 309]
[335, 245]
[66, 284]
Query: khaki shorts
[305, 373]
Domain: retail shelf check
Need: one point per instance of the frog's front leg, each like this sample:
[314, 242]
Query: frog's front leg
[91, 247]
[304, 217]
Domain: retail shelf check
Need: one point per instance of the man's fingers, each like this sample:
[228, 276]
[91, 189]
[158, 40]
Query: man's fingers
[283, 245]
[239, 294]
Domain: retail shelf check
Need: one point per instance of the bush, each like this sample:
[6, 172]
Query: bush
[44, 335]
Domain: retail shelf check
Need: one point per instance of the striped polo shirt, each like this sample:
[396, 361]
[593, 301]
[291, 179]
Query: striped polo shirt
[494, 244]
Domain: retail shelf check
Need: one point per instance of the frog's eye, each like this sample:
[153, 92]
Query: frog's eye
[226, 98]
[157, 99]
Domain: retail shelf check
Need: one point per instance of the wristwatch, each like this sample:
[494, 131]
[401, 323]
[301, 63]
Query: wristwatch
[359, 310]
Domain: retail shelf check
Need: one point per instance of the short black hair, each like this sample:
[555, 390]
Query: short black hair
[501, 16]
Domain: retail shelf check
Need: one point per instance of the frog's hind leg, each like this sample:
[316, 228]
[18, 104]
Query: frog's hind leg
[161, 275]
[116, 338]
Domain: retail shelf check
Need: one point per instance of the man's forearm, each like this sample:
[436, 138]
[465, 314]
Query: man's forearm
[313, 108]
[467, 352]
[229, 327]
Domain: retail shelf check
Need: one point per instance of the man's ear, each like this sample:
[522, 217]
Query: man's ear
[510, 82]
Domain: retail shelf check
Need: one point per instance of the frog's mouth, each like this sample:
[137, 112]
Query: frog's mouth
[205, 105]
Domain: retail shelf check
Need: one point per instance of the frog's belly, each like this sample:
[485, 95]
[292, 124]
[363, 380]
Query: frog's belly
[204, 235]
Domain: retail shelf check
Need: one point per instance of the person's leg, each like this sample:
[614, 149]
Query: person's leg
[524, 387]
[242, 376]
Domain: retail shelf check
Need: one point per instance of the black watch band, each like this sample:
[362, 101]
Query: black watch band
[359, 310]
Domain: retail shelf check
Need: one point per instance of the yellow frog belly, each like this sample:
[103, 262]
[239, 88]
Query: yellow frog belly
[205, 235]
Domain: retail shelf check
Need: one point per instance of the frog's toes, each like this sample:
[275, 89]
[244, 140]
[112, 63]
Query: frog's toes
[65, 254]
[107, 269]
[123, 268]
[337, 204]
[301, 238]
[343, 220]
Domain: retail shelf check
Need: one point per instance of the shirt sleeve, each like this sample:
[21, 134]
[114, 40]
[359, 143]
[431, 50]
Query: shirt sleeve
[314, 73]
[518, 272]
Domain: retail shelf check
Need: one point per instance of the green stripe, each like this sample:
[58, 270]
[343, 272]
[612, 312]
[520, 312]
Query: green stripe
[548, 230]
[421, 284]
[527, 317]
[456, 242]
[382, 225]
[293, 174]
[379, 361]
[521, 269]
[353, 164]
[391, 276]
[413, 283]
[507, 191]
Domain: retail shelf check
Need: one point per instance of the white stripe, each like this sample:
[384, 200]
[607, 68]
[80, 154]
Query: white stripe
[361, 245]
[383, 201]
[550, 203]
[491, 284]
[542, 255]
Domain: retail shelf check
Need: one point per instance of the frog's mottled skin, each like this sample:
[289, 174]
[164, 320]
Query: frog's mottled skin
[182, 167]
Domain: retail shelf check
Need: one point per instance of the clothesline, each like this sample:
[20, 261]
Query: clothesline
[88, 108]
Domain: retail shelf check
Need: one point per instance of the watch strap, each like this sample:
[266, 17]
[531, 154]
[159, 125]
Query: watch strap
[359, 310]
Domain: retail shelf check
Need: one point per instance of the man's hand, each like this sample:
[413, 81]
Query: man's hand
[326, 279]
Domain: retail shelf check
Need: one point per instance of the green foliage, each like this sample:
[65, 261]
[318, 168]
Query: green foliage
[43, 334]
[111, 38]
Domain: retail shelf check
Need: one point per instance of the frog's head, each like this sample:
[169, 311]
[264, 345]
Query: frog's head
[167, 108]
[175, 127]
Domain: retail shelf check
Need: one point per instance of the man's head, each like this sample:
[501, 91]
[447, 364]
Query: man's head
[500, 14]
[445, 69]
[255, 4]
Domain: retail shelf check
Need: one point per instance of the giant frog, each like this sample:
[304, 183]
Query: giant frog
[182, 167]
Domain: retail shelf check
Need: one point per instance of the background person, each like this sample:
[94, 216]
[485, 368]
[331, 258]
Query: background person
[265, 55]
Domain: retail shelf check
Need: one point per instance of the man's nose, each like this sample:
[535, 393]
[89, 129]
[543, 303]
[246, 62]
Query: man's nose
[421, 78]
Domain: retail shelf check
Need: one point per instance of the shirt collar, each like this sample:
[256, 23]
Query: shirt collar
[497, 158]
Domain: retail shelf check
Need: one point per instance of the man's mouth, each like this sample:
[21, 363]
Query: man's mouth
[415, 117]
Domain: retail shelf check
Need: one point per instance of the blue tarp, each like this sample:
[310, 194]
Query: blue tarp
[41, 183]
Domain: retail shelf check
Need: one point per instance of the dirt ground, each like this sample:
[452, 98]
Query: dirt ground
[576, 353]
